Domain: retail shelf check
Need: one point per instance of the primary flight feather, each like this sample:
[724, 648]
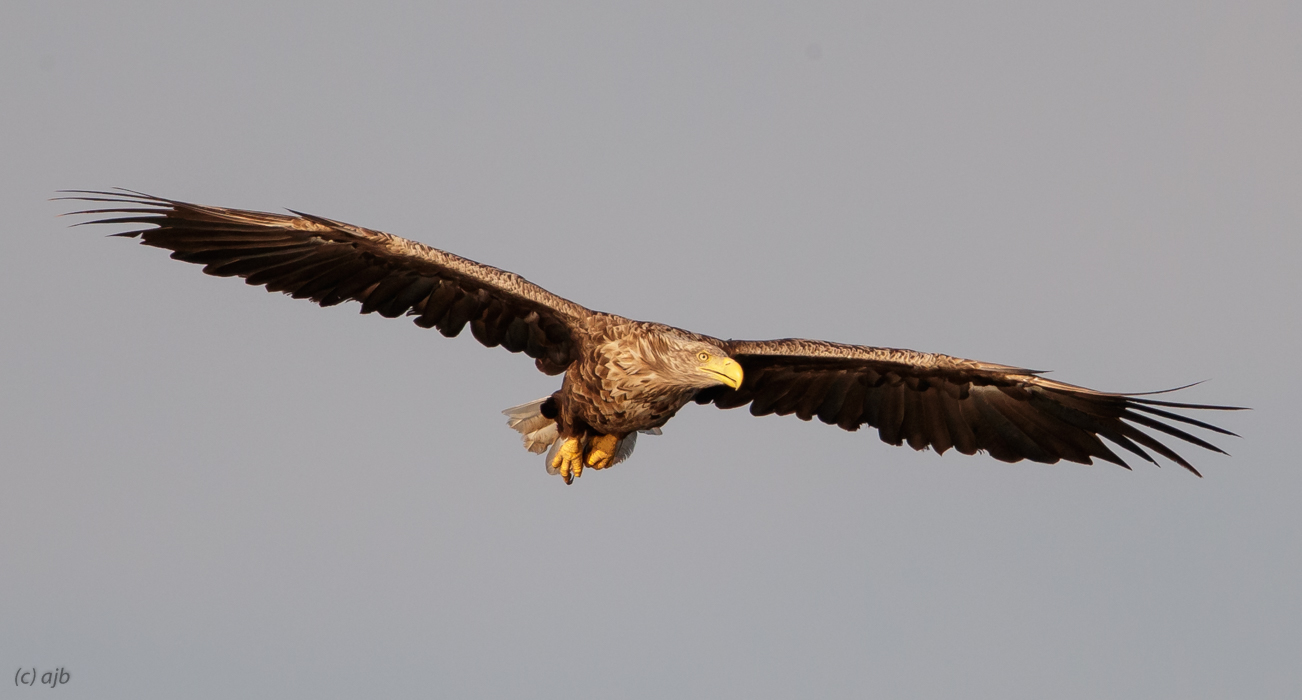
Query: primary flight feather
[623, 376]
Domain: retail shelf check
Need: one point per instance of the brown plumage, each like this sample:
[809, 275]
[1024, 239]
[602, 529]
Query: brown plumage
[623, 376]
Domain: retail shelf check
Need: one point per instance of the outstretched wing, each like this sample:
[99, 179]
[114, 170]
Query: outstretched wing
[309, 257]
[937, 401]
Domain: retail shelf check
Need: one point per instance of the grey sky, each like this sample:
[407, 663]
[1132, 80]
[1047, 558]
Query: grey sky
[212, 492]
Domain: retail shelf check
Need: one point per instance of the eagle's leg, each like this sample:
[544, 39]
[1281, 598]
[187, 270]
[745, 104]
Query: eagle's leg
[601, 451]
[569, 459]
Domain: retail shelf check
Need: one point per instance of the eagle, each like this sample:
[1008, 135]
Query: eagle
[624, 377]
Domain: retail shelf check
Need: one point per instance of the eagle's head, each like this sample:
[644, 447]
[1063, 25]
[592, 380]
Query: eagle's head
[702, 365]
[668, 360]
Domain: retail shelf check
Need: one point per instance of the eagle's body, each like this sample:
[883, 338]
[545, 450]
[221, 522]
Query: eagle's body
[623, 376]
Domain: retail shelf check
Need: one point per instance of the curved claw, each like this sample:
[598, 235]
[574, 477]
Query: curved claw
[569, 460]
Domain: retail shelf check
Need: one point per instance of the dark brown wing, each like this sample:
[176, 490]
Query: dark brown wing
[937, 401]
[309, 257]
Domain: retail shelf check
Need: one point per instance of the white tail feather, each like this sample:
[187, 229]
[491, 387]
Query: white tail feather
[624, 449]
[538, 441]
[538, 431]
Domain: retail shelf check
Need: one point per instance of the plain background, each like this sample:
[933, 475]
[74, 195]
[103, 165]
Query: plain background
[208, 491]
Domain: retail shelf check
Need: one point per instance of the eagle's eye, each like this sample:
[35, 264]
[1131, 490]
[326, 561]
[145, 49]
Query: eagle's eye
[703, 356]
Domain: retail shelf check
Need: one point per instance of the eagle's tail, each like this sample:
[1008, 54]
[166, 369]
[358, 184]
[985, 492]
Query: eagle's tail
[538, 430]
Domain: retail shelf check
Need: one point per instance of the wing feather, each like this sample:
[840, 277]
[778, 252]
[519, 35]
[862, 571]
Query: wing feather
[834, 397]
[852, 405]
[933, 419]
[330, 262]
[960, 427]
[942, 402]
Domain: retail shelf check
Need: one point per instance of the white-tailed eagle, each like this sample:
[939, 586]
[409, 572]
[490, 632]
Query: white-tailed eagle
[623, 376]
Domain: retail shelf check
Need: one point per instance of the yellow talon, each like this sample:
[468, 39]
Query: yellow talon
[569, 460]
[602, 451]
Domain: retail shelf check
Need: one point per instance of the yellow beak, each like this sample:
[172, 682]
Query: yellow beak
[724, 369]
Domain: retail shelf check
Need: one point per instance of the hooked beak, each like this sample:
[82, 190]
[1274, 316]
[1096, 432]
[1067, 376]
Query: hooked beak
[724, 369]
